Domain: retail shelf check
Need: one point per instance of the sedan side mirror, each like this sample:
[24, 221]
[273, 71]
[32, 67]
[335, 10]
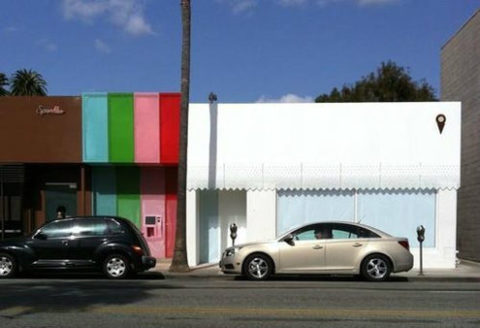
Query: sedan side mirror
[289, 239]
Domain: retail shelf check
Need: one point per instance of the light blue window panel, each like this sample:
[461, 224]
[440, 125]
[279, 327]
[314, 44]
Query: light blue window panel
[95, 127]
[104, 190]
[209, 226]
[399, 213]
[301, 207]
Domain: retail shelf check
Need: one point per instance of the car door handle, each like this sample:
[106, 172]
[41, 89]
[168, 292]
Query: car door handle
[65, 242]
[357, 245]
[317, 247]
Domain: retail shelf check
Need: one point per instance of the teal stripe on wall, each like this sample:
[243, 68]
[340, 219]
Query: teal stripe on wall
[209, 226]
[105, 199]
[95, 127]
[128, 193]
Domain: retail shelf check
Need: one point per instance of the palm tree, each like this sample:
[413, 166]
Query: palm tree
[3, 83]
[179, 261]
[28, 83]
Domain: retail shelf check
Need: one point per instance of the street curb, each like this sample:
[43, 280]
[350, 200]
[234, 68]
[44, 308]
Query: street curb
[189, 275]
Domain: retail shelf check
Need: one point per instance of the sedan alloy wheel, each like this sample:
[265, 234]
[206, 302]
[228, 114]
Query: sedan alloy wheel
[7, 266]
[376, 268]
[258, 267]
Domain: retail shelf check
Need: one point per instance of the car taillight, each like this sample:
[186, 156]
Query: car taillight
[137, 249]
[405, 244]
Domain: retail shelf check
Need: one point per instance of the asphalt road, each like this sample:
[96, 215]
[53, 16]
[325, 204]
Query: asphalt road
[152, 301]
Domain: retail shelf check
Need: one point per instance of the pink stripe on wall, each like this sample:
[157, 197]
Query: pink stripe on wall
[147, 127]
[152, 189]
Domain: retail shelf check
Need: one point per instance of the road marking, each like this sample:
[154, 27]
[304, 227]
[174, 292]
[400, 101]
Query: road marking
[228, 311]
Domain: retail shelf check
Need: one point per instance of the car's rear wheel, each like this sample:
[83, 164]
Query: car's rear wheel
[258, 267]
[116, 266]
[376, 267]
[8, 266]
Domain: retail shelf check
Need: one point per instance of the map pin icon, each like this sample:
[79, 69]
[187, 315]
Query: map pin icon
[441, 119]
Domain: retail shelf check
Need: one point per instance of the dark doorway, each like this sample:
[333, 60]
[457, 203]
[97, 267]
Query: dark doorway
[57, 195]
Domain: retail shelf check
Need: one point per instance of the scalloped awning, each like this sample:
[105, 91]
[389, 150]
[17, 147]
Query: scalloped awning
[303, 176]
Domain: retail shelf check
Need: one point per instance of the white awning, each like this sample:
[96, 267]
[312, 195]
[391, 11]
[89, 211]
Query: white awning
[303, 176]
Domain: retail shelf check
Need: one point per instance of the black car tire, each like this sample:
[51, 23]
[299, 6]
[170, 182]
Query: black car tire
[116, 266]
[258, 267]
[8, 266]
[376, 267]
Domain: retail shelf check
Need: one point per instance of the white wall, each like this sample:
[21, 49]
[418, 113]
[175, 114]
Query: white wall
[232, 209]
[332, 136]
[443, 255]
[398, 133]
[261, 215]
[192, 228]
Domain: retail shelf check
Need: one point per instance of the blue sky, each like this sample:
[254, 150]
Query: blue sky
[243, 50]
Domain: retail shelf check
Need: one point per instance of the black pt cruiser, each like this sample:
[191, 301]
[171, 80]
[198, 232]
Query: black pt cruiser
[110, 244]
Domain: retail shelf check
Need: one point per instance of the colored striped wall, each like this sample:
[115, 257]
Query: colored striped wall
[104, 190]
[138, 128]
[120, 128]
[152, 198]
[147, 128]
[135, 192]
[128, 193]
[169, 127]
[95, 127]
[170, 207]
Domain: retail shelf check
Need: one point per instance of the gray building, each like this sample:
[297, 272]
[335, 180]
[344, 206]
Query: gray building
[460, 81]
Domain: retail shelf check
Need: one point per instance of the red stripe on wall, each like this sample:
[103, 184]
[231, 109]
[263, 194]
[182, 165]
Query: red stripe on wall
[170, 208]
[169, 127]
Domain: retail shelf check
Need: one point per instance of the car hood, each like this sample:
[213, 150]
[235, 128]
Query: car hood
[257, 243]
[12, 241]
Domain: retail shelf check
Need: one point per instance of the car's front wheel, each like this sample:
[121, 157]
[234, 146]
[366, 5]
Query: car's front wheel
[116, 266]
[376, 267]
[258, 267]
[8, 266]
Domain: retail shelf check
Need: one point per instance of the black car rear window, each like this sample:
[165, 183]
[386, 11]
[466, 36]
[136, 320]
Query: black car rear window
[89, 227]
[114, 227]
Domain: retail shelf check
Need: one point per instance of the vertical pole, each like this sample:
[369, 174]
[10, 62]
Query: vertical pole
[421, 259]
[82, 191]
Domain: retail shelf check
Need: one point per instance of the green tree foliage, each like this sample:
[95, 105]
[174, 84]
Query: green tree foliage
[3, 84]
[389, 83]
[28, 83]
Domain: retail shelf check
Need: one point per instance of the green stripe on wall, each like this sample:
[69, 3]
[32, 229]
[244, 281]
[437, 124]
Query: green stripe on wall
[128, 193]
[120, 128]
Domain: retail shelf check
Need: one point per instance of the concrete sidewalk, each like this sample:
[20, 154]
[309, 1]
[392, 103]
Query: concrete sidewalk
[465, 271]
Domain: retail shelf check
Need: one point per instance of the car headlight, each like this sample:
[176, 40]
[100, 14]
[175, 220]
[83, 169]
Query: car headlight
[231, 251]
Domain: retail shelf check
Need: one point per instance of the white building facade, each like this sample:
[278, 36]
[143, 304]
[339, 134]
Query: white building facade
[270, 167]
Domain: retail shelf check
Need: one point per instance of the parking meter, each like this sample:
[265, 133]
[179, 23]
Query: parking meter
[421, 238]
[420, 233]
[233, 233]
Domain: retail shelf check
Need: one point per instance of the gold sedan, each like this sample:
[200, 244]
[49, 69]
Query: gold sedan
[324, 247]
